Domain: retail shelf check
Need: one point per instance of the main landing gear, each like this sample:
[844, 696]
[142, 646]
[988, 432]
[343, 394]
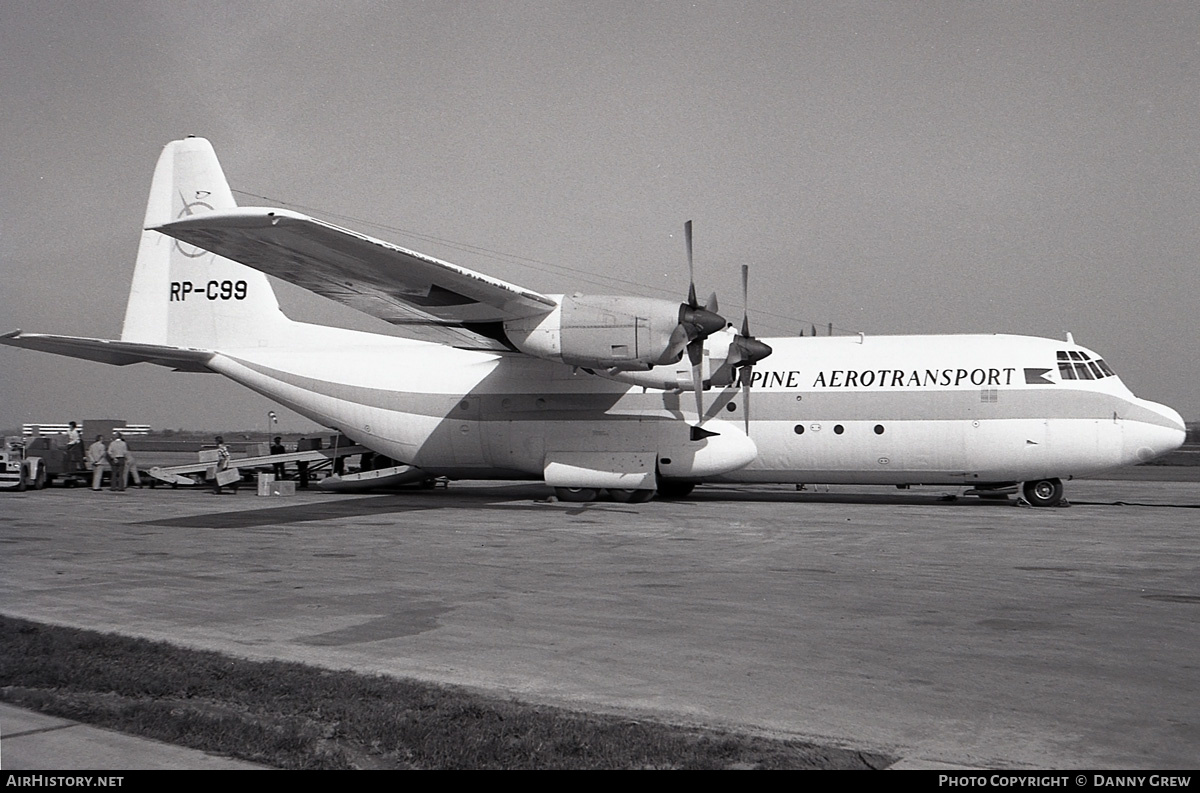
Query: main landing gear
[1043, 492]
[667, 489]
[585, 494]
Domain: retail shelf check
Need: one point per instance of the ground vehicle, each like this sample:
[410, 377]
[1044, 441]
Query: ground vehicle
[56, 464]
[18, 470]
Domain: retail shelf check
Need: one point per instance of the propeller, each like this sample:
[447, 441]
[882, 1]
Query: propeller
[744, 352]
[748, 349]
[698, 323]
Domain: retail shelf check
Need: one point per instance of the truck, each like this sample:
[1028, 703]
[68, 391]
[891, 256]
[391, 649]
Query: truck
[56, 464]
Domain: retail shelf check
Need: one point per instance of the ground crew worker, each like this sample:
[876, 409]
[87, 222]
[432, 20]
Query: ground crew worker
[74, 448]
[97, 458]
[131, 469]
[302, 467]
[222, 465]
[117, 452]
[277, 447]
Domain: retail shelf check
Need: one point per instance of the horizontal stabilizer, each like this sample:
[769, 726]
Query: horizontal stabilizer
[118, 353]
[376, 277]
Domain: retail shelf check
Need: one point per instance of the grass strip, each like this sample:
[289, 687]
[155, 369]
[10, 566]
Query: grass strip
[294, 716]
[287, 715]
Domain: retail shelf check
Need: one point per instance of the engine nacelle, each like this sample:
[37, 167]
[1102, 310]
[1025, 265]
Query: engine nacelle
[725, 353]
[724, 448]
[603, 332]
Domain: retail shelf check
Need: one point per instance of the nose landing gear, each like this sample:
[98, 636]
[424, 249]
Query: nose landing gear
[1043, 492]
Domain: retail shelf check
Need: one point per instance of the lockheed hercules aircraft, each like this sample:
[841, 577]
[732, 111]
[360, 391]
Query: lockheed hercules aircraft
[590, 393]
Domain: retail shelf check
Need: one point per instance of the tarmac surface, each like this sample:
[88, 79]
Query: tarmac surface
[951, 634]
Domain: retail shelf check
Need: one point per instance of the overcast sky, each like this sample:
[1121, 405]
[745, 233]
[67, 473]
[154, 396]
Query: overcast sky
[912, 167]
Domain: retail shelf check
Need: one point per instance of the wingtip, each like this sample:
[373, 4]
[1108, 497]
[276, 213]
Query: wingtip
[244, 217]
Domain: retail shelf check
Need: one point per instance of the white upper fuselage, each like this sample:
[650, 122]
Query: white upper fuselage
[887, 409]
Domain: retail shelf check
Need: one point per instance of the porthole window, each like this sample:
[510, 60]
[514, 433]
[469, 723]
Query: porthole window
[838, 429]
[878, 429]
[798, 429]
[732, 406]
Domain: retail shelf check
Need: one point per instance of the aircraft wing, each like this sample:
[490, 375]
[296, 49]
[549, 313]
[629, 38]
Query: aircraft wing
[119, 353]
[378, 278]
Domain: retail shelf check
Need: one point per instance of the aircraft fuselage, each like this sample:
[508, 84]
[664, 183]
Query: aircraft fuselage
[967, 409]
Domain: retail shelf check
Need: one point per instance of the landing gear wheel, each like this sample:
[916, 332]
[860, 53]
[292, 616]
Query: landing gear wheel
[669, 489]
[631, 496]
[1043, 492]
[576, 494]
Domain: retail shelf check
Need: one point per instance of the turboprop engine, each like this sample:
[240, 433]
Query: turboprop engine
[614, 332]
[725, 353]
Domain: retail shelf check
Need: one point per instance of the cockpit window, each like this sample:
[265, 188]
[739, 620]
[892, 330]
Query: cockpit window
[1075, 365]
[1065, 370]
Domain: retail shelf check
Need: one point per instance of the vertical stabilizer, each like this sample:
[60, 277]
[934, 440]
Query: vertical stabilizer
[184, 296]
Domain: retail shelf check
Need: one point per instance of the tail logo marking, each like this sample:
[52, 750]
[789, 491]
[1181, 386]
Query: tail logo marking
[191, 251]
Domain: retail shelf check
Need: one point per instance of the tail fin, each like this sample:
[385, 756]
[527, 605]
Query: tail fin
[184, 296]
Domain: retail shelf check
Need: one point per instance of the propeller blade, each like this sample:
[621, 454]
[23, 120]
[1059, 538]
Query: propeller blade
[747, 378]
[696, 357]
[687, 237]
[746, 301]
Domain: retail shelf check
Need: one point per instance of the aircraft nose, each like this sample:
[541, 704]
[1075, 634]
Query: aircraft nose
[1156, 431]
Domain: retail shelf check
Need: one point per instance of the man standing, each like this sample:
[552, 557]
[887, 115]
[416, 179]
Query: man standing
[222, 466]
[117, 452]
[277, 447]
[302, 465]
[131, 469]
[74, 448]
[97, 458]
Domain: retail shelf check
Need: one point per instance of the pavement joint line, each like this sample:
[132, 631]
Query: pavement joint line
[40, 730]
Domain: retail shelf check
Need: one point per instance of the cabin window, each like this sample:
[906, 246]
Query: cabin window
[798, 429]
[878, 429]
[838, 429]
[732, 406]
